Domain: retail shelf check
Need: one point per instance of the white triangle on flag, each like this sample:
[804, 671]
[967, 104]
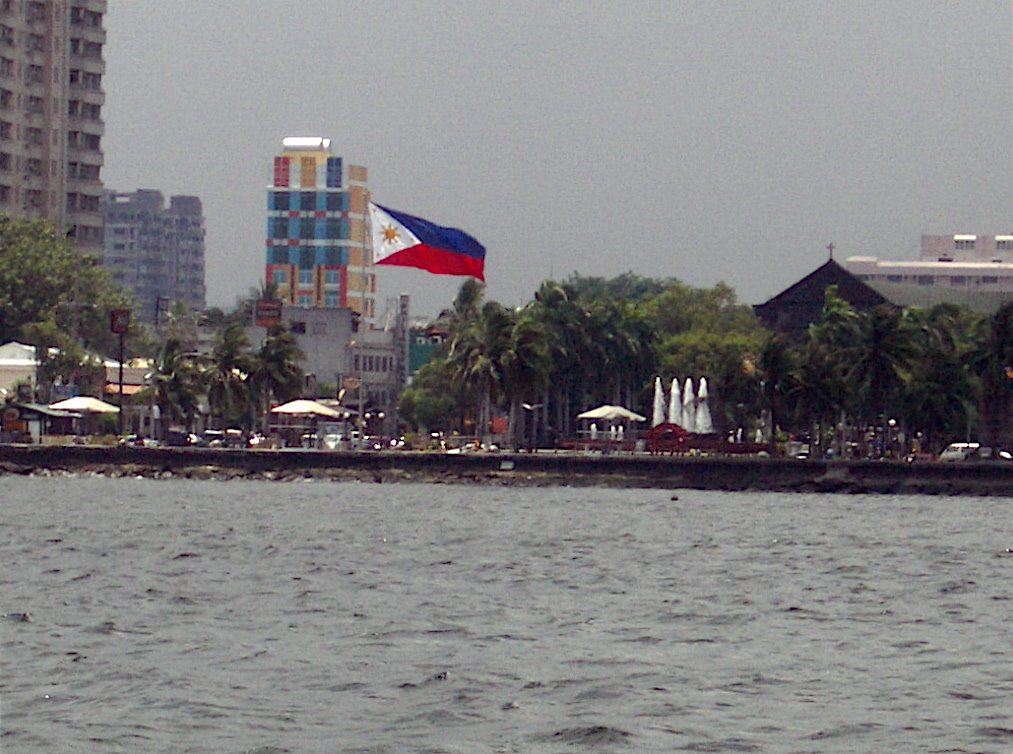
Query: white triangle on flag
[388, 235]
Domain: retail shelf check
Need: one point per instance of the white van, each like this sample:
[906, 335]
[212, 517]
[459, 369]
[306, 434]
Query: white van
[960, 451]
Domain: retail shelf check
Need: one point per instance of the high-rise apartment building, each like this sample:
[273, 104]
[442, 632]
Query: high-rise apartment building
[155, 252]
[317, 250]
[51, 126]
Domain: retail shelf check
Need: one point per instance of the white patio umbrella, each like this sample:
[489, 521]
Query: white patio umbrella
[305, 408]
[85, 404]
[612, 413]
[658, 415]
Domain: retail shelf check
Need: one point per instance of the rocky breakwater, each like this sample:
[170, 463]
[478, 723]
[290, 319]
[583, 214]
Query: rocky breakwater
[523, 469]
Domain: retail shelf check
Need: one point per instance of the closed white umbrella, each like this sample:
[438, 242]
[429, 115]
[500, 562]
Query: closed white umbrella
[658, 415]
[675, 403]
[704, 425]
[689, 406]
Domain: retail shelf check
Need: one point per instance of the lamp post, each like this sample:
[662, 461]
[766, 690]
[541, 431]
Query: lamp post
[119, 323]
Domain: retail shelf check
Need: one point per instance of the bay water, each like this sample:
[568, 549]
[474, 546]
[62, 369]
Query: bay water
[226, 616]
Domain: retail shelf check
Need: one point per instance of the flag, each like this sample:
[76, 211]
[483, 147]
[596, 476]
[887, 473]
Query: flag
[407, 241]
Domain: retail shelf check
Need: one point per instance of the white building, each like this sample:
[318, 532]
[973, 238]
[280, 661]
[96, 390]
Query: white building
[971, 270]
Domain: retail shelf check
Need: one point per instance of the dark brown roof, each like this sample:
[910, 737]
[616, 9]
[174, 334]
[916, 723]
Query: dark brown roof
[795, 308]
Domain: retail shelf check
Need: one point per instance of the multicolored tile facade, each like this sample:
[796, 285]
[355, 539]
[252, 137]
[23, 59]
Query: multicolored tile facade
[317, 252]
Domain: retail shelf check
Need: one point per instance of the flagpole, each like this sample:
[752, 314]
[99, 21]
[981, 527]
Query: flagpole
[362, 316]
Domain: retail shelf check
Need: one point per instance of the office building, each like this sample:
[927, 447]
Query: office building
[51, 126]
[971, 270]
[317, 252]
[155, 252]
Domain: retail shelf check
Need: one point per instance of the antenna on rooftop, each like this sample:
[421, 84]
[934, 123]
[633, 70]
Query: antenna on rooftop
[830, 248]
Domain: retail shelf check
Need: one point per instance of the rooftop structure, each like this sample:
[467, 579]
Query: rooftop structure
[971, 270]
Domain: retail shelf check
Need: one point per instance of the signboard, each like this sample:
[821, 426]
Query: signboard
[119, 321]
[268, 312]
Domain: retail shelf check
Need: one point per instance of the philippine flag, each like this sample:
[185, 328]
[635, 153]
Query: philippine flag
[407, 241]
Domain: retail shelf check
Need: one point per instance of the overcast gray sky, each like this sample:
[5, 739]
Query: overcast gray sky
[705, 140]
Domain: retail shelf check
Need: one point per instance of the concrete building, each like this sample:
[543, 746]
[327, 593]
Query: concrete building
[971, 270]
[317, 252]
[155, 252]
[51, 126]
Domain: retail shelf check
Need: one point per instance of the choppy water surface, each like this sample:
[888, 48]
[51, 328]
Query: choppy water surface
[156, 616]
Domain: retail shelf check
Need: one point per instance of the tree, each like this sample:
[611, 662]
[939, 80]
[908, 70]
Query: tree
[992, 360]
[176, 385]
[939, 394]
[274, 370]
[227, 369]
[880, 360]
[476, 360]
[776, 365]
[525, 367]
[427, 405]
[43, 279]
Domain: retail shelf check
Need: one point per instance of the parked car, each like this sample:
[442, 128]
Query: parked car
[971, 451]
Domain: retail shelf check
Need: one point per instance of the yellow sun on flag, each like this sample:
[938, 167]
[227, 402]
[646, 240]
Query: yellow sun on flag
[389, 234]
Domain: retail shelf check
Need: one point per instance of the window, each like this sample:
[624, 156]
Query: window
[989, 279]
[280, 200]
[894, 278]
[298, 327]
[925, 280]
[958, 280]
[331, 298]
[963, 243]
[1004, 244]
[306, 277]
[332, 277]
[279, 277]
[308, 201]
[336, 202]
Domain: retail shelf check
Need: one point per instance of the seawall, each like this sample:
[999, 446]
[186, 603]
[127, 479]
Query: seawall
[991, 478]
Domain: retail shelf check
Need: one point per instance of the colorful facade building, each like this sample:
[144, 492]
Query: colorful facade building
[317, 248]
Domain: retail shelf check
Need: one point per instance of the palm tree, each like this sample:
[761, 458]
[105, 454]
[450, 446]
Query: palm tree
[939, 392]
[274, 371]
[777, 364]
[525, 365]
[176, 384]
[229, 364]
[881, 359]
[564, 324]
[476, 360]
[827, 360]
[992, 360]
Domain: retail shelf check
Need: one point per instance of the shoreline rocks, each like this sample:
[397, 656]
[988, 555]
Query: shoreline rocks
[734, 474]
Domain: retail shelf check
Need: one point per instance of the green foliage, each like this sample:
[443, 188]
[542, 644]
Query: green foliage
[627, 287]
[47, 286]
[427, 405]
